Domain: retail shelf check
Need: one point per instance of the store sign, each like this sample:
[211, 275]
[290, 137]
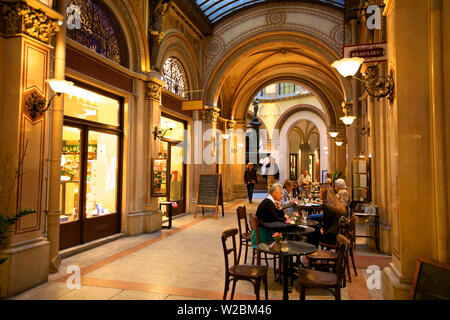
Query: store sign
[192, 105]
[377, 52]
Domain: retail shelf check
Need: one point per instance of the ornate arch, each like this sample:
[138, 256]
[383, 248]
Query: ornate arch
[175, 45]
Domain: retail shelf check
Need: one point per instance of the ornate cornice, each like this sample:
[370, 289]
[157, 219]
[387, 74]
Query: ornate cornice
[20, 18]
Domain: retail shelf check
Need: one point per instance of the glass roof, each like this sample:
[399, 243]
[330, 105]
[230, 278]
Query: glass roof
[217, 9]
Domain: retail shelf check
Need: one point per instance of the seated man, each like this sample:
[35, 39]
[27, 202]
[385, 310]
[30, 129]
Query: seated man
[269, 210]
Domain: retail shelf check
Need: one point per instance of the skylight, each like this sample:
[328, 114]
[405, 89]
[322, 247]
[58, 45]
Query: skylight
[218, 9]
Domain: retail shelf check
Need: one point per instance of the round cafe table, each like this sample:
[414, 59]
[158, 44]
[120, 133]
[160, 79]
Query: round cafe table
[295, 248]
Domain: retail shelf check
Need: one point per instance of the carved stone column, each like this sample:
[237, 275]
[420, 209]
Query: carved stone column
[227, 174]
[26, 30]
[210, 117]
[238, 155]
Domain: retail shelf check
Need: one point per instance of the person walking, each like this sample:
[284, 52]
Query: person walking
[250, 178]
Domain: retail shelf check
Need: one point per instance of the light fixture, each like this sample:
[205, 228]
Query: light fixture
[160, 133]
[333, 134]
[347, 119]
[339, 143]
[37, 104]
[348, 67]
[225, 136]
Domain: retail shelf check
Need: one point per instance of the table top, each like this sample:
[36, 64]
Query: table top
[287, 228]
[296, 248]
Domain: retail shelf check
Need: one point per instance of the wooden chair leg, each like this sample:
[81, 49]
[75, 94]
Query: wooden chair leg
[347, 258]
[302, 292]
[227, 287]
[253, 256]
[265, 258]
[246, 251]
[232, 290]
[266, 293]
[353, 261]
[257, 287]
[338, 293]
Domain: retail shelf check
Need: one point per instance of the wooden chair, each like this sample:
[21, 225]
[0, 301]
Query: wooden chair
[326, 258]
[308, 278]
[254, 223]
[245, 234]
[251, 273]
[352, 238]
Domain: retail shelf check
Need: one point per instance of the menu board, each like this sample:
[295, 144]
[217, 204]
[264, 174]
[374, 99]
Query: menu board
[209, 193]
[431, 281]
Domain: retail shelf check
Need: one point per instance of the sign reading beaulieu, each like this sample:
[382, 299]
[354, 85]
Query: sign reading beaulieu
[376, 52]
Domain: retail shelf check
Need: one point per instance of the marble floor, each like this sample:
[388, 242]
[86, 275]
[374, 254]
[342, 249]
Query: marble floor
[184, 263]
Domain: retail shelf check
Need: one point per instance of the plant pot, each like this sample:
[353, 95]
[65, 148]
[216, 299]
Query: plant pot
[277, 246]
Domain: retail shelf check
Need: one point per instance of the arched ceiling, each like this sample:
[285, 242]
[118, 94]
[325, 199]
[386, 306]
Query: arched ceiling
[216, 10]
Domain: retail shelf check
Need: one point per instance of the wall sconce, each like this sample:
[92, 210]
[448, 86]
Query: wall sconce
[239, 146]
[377, 87]
[225, 136]
[160, 133]
[346, 119]
[340, 143]
[37, 104]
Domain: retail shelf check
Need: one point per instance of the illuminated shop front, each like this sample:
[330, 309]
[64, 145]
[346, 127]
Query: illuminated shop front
[90, 166]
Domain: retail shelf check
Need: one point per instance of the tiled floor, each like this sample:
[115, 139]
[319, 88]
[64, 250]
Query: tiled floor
[185, 262]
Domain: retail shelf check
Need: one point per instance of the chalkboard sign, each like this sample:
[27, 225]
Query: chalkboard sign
[209, 193]
[431, 281]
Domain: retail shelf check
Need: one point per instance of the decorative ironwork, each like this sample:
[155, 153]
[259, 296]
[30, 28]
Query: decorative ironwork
[100, 31]
[175, 77]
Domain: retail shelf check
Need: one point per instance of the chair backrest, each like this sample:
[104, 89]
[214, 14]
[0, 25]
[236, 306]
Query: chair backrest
[342, 246]
[344, 225]
[241, 213]
[255, 226]
[226, 251]
[352, 230]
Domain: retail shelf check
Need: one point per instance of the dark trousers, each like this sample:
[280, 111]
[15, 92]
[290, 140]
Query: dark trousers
[250, 187]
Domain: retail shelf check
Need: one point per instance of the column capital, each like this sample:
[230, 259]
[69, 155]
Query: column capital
[31, 18]
[210, 114]
[153, 90]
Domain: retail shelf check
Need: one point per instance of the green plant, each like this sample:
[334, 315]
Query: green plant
[337, 175]
[8, 182]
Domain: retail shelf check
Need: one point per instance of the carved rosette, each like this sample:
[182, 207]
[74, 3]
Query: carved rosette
[153, 91]
[19, 17]
[211, 114]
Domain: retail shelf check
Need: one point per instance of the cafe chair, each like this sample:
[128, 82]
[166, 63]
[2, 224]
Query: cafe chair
[309, 279]
[344, 229]
[256, 254]
[252, 273]
[245, 234]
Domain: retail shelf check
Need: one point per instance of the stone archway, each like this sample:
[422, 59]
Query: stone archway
[283, 154]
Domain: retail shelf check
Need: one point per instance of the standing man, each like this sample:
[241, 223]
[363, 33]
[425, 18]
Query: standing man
[250, 180]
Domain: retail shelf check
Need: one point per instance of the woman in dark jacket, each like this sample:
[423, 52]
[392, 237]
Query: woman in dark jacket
[332, 212]
[250, 180]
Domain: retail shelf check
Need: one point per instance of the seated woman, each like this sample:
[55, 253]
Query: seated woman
[269, 210]
[333, 210]
[287, 201]
[342, 194]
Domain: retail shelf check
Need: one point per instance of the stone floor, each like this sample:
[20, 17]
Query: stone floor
[185, 263]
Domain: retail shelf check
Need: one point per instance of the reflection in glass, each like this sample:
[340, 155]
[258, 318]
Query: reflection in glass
[102, 172]
[70, 174]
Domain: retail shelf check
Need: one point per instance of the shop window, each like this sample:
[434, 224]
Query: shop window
[175, 77]
[99, 31]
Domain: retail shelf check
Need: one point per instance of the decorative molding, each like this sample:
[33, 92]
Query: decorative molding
[20, 18]
[153, 90]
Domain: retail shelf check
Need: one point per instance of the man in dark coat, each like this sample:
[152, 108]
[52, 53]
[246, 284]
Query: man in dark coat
[250, 180]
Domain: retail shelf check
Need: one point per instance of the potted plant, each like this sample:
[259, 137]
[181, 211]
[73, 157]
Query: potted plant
[278, 238]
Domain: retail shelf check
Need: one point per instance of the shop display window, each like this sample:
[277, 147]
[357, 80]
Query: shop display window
[70, 174]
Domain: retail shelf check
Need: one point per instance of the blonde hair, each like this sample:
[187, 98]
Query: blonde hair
[287, 183]
[331, 201]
